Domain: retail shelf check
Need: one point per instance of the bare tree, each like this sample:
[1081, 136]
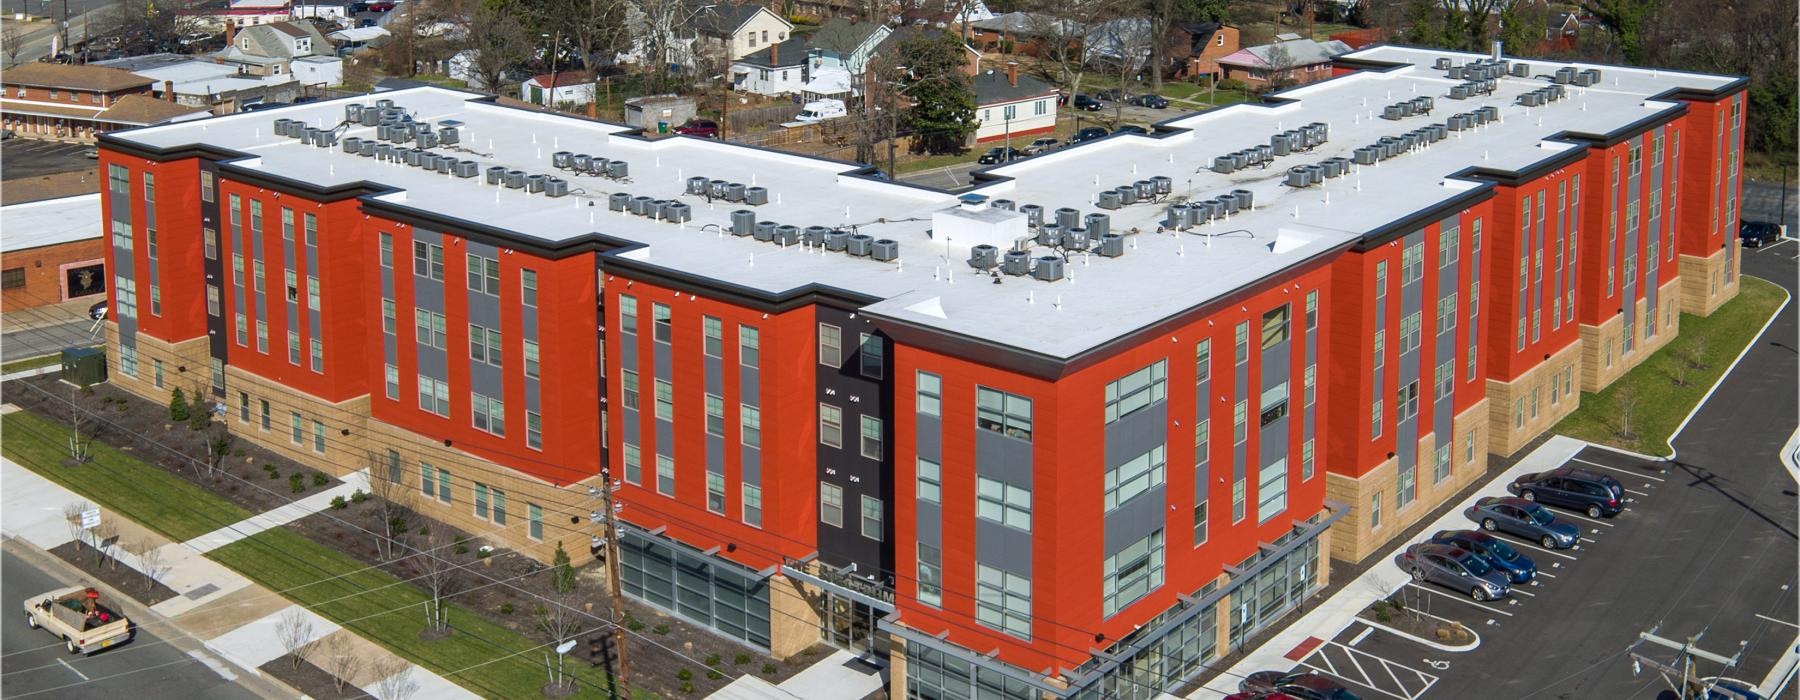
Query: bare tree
[340, 658]
[295, 632]
[442, 578]
[1625, 405]
[72, 518]
[1281, 67]
[150, 561]
[495, 38]
[12, 40]
[80, 448]
[218, 446]
[106, 541]
[149, 26]
[559, 619]
[663, 35]
[1059, 32]
[396, 678]
[391, 499]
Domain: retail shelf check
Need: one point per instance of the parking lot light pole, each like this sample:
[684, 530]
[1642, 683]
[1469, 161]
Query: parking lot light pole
[1689, 687]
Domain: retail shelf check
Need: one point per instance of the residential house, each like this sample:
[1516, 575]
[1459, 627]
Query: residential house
[218, 87]
[1009, 105]
[1291, 60]
[75, 102]
[780, 69]
[945, 14]
[557, 89]
[732, 32]
[1027, 33]
[1196, 47]
[240, 13]
[828, 63]
[283, 47]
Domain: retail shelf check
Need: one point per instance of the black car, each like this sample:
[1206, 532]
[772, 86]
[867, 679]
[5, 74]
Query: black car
[1087, 134]
[1131, 129]
[1086, 104]
[1309, 686]
[1116, 95]
[1152, 101]
[998, 154]
[1581, 489]
[1756, 234]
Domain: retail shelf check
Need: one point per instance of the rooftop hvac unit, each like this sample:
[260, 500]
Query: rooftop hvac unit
[384, 151]
[1489, 113]
[1228, 202]
[1366, 156]
[1245, 198]
[884, 250]
[323, 138]
[1264, 154]
[353, 113]
[534, 183]
[515, 179]
[1006, 204]
[1333, 168]
[859, 244]
[698, 186]
[734, 191]
[1559, 91]
[449, 135]
[1521, 70]
[1487, 86]
[743, 222]
[1278, 144]
[467, 168]
[1075, 239]
[1593, 75]
[580, 161]
[1049, 234]
[787, 234]
[1097, 224]
[597, 166]
[618, 169]
[838, 239]
[371, 117]
[1531, 99]
[1016, 263]
[1459, 92]
[1223, 164]
[496, 173]
[367, 149]
[1238, 161]
[352, 144]
[815, 235]
[1205, 210]
[281, 126]
[1049, 268]
[1112, 245]
[677, 212]
[411, 156]
[1391, 112]
[1298, 177]
[1454, 72]
[1068, 217]
[1127, 194]
[1034, 214]
[561, 159]
[640, 205]
[756, 196]
[1406, 108]
[427, 140]
[384, 104]
[1108, 199]
[1564, 75]
[557, 187]
[617, 201]
[1423, 104]
[1145, 189]
[765, 231]
[716, 188]
[984, 257]
[1442, 64]
[1178, 216]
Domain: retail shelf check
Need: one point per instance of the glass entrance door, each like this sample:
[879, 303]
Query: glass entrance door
[848, 624]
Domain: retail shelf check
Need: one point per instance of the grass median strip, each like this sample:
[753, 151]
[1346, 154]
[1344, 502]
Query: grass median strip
[31, 363]
[117, 481]
[1665, 388]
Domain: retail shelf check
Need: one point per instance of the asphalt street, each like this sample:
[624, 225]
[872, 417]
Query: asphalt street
[1763, 201]
[32, 342]
[145, 669]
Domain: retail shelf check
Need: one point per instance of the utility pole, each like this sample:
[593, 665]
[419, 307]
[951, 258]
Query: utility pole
[1689, 687]
[609, 512]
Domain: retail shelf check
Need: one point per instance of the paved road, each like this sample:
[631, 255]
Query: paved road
[32, 342]
[1763, 200]
[145, 669]
[951, 178]
[24, 157]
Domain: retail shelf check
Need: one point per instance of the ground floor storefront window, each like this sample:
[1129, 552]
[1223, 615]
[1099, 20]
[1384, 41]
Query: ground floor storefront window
[705, 590]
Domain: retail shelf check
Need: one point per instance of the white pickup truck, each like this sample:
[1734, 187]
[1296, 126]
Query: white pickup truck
[76, 615]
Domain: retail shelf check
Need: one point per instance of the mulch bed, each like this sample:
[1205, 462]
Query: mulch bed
[1421, 626]
[124, 578]
[310, 680]
[143, 429]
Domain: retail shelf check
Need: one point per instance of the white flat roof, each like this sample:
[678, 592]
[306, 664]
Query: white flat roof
[1161, 274]
[49, 222]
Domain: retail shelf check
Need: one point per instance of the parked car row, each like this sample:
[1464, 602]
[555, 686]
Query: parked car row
[1002, 154]
[1282, 685]
[1098, 100]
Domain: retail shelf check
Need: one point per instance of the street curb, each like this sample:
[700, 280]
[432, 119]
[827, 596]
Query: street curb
[1786, 299]
[1440, 646]
[173, 633]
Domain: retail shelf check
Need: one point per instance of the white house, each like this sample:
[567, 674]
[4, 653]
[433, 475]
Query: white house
[1009, 104]
[780, 69]
[735, 31]
[554, 89]
[826, 64]
[274, 49]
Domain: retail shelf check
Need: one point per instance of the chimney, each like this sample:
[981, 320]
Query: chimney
[1497, 46]
[775, 54]
[230, 32]
[1012, 73]
[169, 90]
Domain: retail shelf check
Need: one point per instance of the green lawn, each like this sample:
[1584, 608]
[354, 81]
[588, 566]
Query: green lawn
[342, 590]
[31, 363]
[1662, 404]
[117, 481]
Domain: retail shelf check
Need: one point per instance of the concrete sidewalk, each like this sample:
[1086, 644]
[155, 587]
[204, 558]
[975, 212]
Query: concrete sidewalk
[232, 616]
[353, 482]
[1331, 615]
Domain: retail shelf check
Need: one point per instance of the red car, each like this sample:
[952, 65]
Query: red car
[703, 128]
[380, 6]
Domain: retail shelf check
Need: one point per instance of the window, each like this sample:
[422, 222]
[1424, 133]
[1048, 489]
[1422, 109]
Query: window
[715, 336]
[870, 445]
[1274, 327]
[1409, 332]
[831, 344]
[434, 396]
[1311, 383]
[750, 424]
[1448, 242]
[665, 399]
[1375, 411]
[318, 437]
[427, 480]
[1133, 572]
[312, 293]
[1135, 476]
[665, 475]
[292, 283]
[1240, 418]
[831, 425]
[753, 505]
[534, 516]
[1312, 310]
[831, 504]
[258, 277]
[1380, 349]
[534, 430]
[715, 415]
[207, 193]
[391, 377]
[295, 424]
[930, 481]
[531, 359]
[1237, 500]
[1306, 460]
[428, 260]
[1406, 490]
[237, 269]
[265, 413]
[262, 337]
[489, 414]
[1445, 379]
[1375, 510]
[871, 518]
[316, 351]
[1636, 159]
[628, 314]
[1203, 361]
[634, 464]
[715, 492]
[1000, 502]
[1003, 601]
[931, 576]
[528, 287]
[484, 274]
[387, 250]
[1004, 413]
[159, 373]
[662, 327]
[749, 342]
[1412, 263]
[1271, 490]
[629, 387]
[1406, 403]
[210, 239]
[1135, 391]
[1242, 347]
[1446, 320]
[928, 399]
[429, 329]
[872, 356]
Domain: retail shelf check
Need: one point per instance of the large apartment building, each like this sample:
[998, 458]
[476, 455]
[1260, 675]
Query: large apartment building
[1076, 433]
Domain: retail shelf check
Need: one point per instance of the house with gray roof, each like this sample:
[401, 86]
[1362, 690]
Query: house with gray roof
[277, 48]
[1290, 60]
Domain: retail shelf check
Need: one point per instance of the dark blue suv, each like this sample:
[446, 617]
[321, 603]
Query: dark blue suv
[1500, 555]
[1580, 489]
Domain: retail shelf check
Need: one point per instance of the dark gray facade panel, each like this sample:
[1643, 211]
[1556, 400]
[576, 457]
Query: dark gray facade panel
[1135, 519]
[1004, 548]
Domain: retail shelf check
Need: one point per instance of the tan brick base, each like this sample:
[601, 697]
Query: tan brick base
[1354, 536]
[1602, 358]
[186, 364]
[794, 619]
[1703, 287]
[1511, 424]
[342, 455]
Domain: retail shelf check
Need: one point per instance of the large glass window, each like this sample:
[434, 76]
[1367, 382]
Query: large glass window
[1271, 490]
[708, 591]
[1004, 413]
[831, 504]
[929, 394]
[831, 425]
[1133, 572]
[930, 481]
[1135, 476]
[1274, 327]
[1000, 502]
[1003, 601]
[1135, 391]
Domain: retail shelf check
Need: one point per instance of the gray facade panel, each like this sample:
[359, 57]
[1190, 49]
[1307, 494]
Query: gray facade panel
[1003, 458]
[1135, 519]
[1004, 548]
[1135, 434]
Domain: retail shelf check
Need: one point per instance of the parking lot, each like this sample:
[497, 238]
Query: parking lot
[31, 158]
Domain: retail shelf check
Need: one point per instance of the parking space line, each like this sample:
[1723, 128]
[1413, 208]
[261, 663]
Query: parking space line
[1327, 660]
[1583, 517]
[1616, 469]
[1587, 540]
[1399, 690]
[1638, 493]
[1534, 545]
[1461, 598]
[1364, 671]
[1366, 631]
[1779, 622]
[1527, 594]
[1540, 573]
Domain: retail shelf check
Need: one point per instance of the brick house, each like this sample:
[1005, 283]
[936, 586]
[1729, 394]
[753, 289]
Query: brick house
[74, 102]
[53, 252]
